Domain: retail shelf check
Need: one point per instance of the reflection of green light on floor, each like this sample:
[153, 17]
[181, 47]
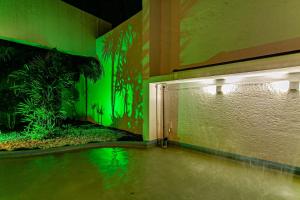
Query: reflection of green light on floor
[112, 164]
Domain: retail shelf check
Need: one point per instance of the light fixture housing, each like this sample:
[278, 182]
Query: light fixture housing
[219, 84]
[294, 86]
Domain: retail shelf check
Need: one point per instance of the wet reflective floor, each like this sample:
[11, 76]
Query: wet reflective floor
[119, 173]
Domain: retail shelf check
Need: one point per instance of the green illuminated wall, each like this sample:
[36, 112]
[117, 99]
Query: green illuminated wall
[116, 99]
[50, 23]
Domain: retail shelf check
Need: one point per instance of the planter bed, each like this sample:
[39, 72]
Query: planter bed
[71, 136]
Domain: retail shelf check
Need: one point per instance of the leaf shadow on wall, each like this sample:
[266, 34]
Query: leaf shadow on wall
[121, 54]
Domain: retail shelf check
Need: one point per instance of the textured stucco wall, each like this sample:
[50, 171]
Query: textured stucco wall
[253, 120]
[51, 23]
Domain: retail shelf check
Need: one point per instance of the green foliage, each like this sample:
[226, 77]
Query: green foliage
[42, 83]
[8, 104]
[38, 87]
[92, 69]
[40, 121]
[10, 137]
[6, 53]
[8, 98]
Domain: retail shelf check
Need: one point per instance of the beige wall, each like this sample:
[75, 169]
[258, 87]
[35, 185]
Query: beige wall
[155, 36]
[253, 120]
[51, 23]
[188, 33]
[164, 36]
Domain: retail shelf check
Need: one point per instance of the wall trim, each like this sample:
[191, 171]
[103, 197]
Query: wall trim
[151, 143]
[240, 60]
[65, 149]
[251, 160]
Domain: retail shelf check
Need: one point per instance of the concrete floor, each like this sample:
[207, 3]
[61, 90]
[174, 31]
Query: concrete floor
[117, 173]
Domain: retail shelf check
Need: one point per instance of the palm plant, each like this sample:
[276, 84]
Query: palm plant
[41, 84]
[8, 98]
[6, 53]
[8, 105]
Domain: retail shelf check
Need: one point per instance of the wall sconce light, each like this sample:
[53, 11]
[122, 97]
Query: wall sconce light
[219, 85]
[219, 88]
[294, 86]
[294, 81]
[284, 86]
[278, 82]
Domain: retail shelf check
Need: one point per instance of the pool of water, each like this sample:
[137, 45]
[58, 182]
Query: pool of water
[120, 173]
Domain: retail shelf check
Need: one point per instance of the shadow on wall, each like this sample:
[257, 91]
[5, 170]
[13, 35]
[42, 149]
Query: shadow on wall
[215, 32]
[116, 99]
[270, 49]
